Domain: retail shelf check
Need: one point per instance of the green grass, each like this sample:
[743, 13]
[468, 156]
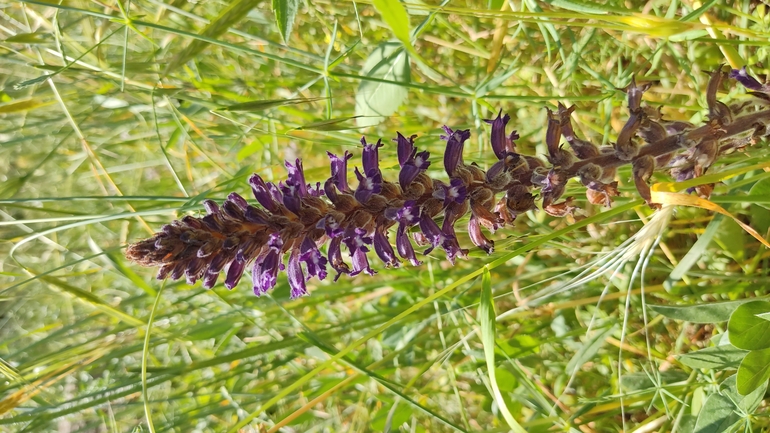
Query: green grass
[116, 118]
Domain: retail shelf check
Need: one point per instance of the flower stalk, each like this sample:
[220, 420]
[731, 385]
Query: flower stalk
[296, 221]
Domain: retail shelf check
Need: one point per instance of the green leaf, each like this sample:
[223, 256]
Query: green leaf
[761, 188]
[395, 16]
[700, 313]
[746, 403]
[747, 331]
[716, 358]
[754, 371]
[285, 11]
[375, 99]
[486, 318]
[236, 11]
[717, 415]
[732, 238]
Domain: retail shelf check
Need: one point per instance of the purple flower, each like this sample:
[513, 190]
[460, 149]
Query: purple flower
[368, 185]
[262, 193]
[405, 148]
[339, 176]
[211, 206]
[455, 192]
[296, 177]
[431, 231]
[264, 273]
[404, 246]
[408, 214]
[747, 80]
[291, 197]
[334, 254]
[500, 143]
[357, 241]
[234, 273]
[296, 276]
[330, 225]
[453, 155]
[370, 157]
[414, 165]
[314, 261]
[383, 249]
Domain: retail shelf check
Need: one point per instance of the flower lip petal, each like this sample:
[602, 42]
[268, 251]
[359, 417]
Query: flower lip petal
[406, 148]
[296, 177]
[747, 80]
[370, 156]
[296, 276]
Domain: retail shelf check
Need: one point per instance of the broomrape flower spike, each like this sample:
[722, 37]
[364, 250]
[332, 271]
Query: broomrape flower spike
[302, 229]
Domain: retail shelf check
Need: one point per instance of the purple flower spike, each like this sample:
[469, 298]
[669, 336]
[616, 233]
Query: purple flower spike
[265, 271]
[453, 156]
[368, 185]
[747, 80]
[296, 177]
[406, 148]
[371, 155]
[498, 138]
[296, 276]
[234, 273]
[412, 167]
[339, 176]
[383, 249]
[431, 231]
[262, 193]
[314, 261]
[455, 192]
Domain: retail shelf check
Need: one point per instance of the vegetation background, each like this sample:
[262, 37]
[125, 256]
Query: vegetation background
[117, 117]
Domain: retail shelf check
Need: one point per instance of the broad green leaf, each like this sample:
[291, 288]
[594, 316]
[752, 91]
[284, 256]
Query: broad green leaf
[747, 331]
[761, 188]
[700, 313]
[394, 14]
[486, 318]
[236, 11]
[717, 415]
[754, 371]
[375, 99]
[285, 12]
[746, 403]
[716, 358]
